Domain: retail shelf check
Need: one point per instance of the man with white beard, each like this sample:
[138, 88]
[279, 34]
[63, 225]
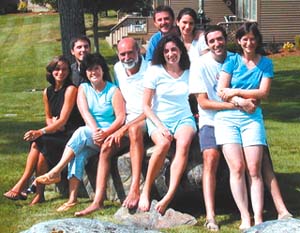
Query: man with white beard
[129, 77]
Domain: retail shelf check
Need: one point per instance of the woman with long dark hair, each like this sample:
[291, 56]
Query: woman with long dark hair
[168, 115]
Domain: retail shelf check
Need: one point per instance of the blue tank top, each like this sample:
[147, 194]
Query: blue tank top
[100, 103]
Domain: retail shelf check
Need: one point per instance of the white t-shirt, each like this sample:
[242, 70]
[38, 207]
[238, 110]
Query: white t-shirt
[197, 47]
[204, 76]
[170, 101]
[132, 88]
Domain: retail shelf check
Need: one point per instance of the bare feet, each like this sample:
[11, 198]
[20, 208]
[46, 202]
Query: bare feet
[246, 222]
[66, 206]
[211, 224]
[144, 203]
[132, 200]
[38, 198]
[285, 215]
[162, 205]
[90, 209]
[48, 178]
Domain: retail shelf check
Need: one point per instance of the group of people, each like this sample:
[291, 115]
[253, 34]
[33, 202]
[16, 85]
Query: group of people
[89, 114]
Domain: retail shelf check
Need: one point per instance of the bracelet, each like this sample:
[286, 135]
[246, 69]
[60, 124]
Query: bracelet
[43, 131]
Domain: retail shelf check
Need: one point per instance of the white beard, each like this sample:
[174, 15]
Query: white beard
[128, 65]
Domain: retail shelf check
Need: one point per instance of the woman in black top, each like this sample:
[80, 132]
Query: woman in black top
[62, 119]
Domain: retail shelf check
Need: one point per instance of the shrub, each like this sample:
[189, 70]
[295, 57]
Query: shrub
[232, 47]
[297, 41]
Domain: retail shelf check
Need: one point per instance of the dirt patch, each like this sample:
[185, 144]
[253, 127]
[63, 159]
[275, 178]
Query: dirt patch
[284, 53]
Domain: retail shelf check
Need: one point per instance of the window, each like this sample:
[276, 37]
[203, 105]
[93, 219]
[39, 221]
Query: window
[247, 9]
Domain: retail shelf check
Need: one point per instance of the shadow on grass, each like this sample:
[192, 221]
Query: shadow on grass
[283, 102]
[225, 205]
[11, 136]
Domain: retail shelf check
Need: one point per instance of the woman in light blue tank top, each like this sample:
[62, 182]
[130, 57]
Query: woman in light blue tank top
[103, 109]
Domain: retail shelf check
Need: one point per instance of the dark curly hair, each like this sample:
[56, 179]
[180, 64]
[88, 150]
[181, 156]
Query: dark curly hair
[158, 57]
[52, 65]
[91, 60]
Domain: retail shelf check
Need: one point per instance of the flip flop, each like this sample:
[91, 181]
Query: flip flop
[211, 225]
[13, 195]
[66, 206]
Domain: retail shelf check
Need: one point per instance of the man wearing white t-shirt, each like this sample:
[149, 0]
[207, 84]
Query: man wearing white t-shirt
[129, 77]
[204, 74]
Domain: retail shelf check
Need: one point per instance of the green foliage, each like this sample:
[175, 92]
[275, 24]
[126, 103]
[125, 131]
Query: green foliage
[232, 47]
[297, 41]
[52, 3]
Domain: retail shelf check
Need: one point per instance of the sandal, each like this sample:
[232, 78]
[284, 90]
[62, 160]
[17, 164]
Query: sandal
[211, 225]
[13, 195]
[66, 206]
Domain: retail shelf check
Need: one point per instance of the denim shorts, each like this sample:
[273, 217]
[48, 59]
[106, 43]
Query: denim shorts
[172, 125]
[207, 138]
[83, 147]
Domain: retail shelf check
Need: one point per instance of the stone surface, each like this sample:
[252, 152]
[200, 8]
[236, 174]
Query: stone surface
[277, 226]
[119, 183]
[152, 219]
[120, 178]
[83, 225]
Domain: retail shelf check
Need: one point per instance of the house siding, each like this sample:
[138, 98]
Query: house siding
[178, 5]
[216, 10]
[279, 20]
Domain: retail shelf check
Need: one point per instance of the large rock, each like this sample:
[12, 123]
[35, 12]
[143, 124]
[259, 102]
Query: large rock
[277, 226]
[82, 225]
[152, 219]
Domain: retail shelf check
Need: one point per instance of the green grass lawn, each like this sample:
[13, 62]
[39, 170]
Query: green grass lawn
[28, 42]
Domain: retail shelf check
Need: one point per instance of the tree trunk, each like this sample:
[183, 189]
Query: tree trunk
[71, 23]
[95, 31]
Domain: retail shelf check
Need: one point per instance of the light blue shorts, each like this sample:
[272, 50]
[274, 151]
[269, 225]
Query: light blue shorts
[172, 126]
[83, 147]
[240, 128]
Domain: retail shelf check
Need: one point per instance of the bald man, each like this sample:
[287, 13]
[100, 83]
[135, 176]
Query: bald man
[129, 77]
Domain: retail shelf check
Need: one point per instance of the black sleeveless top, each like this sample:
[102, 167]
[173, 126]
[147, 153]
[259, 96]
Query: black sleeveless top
[52, 145]
[56, 101]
